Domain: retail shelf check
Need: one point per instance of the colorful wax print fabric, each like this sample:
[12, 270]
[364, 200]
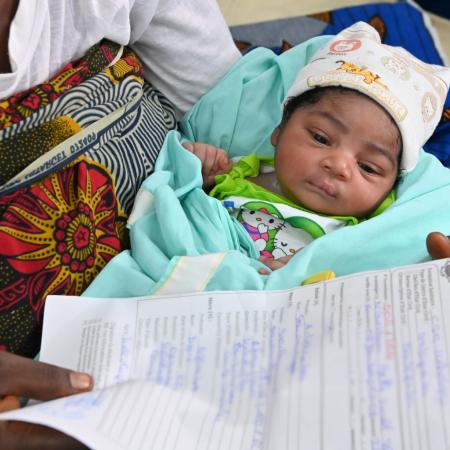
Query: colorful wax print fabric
[73, 153]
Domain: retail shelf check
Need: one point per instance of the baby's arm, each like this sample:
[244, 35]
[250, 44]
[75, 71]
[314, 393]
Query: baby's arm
[214, 160]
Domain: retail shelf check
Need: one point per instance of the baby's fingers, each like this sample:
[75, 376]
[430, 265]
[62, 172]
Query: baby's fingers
[224, 162]
[273, 264]
[284, 260]
[189, 146]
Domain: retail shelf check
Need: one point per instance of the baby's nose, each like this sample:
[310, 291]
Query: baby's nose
[339, 164]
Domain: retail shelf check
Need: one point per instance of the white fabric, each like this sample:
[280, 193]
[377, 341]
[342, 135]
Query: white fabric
[185, 45]
[411, 91]
[189, 274]
[283, 227]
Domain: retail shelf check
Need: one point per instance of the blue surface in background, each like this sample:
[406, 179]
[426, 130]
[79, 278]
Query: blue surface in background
[401, 24]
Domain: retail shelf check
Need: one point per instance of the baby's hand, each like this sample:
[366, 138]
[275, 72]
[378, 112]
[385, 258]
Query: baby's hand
[273, 264]
[214, 160]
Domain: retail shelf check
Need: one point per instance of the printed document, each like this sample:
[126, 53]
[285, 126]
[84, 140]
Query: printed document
[358, 362]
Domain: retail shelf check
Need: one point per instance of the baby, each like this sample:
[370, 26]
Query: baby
[353, 122]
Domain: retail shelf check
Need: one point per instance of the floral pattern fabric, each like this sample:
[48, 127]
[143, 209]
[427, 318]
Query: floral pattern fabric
[58, 230]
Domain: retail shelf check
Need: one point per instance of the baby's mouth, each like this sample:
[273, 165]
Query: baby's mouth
[325, 187]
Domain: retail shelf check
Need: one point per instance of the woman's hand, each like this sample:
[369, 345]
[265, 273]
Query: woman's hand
[16, 435]
[214, 160]
[23, 377]
[438, 245]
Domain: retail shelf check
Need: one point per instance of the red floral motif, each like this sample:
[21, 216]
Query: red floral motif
[59, 233]
[32, 101]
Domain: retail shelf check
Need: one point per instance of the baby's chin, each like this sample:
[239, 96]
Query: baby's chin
[316, 203]
[315, 206]
[331, 210]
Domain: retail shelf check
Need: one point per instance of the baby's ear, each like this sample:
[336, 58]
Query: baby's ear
[274, 137]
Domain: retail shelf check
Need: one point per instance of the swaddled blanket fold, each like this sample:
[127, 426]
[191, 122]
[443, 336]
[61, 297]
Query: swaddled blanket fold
[184, 241]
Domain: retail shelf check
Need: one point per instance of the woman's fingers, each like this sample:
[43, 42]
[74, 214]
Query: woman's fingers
[25, 377]
[9, 402]
[438, 245]
[29, 436]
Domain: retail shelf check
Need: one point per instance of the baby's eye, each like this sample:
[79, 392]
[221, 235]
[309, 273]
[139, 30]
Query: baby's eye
[366, 168]
[321, 139]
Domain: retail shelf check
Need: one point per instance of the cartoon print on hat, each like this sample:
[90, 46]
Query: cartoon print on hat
[429, 71]
[367, 76]
[411, 91]
[345, 45]
[429, 106]
[396, 66]
[360, 78]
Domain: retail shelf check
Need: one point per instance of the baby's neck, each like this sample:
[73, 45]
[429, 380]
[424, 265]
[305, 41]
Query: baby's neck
[268, 181]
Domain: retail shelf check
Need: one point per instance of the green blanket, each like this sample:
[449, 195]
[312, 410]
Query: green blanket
[184, 241]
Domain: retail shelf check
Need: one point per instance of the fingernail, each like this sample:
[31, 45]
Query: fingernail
[9, 402]
[80, 381]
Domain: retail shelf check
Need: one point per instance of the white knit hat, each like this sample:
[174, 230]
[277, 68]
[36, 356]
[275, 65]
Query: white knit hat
[412, 91]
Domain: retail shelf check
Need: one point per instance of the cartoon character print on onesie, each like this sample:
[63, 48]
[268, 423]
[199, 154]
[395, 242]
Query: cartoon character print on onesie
[260, 224]
[273, 235]
[287, 242]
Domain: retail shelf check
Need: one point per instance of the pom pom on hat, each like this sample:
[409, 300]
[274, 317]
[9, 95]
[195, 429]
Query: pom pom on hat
[411, 91]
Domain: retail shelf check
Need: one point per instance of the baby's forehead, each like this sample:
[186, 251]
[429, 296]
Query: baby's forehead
[390, 129]
[413, 91]
[334, 98]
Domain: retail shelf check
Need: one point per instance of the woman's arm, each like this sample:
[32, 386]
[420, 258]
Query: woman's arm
[184, 45]
[186, 49]
[9, 8]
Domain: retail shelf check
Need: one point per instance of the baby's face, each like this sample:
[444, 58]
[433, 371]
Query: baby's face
[338, 156]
